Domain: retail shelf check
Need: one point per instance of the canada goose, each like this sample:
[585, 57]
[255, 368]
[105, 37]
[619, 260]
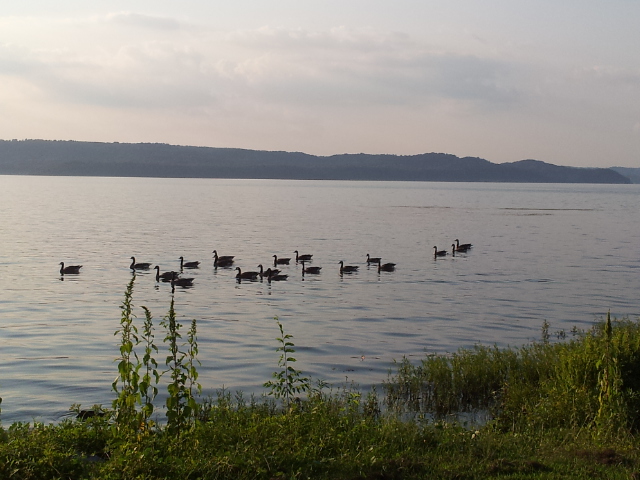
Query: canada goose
[386, 267]
[225, 261]
[71, 269]
[310, 270]
[439, 253]
[138, 266]
[184, 264]
[302, 258]
[276, 277]
[280, 261]
[223, 257]
[347, 268]
[265, 273]
[373, 259]
[164, 276]
[246, 275]
[181, 282]
[464, 247]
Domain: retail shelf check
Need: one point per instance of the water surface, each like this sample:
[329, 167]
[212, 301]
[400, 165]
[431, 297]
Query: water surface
[566, 254]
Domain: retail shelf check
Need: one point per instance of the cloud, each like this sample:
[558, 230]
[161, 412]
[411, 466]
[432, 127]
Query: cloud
[296, 67]
[138, 20]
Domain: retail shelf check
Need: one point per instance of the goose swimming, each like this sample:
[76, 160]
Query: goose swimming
[265, 273]
[138, 266]
[310, 270]
[276, 277]
[181, 282]
[302, 258]
[373, 259]
[280, 261]
[439, 253]
[347, 268]
[462, 248]
[71, 269]
[386, 267]
[184, 264]
[224, 261]
[164, 276]
[246, 275]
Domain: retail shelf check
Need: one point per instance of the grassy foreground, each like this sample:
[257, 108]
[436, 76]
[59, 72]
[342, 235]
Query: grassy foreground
[566, 409]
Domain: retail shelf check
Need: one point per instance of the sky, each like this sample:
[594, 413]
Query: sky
[504, 80]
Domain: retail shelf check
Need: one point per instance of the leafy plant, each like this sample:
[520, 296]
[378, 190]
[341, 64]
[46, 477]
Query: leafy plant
[288, 381]
[151, 376]
[126, 384]
[181, 405]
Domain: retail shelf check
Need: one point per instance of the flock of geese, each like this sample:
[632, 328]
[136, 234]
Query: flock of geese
[270, 274]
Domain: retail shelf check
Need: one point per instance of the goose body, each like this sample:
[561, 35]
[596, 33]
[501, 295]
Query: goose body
[139, 266]
[439, 253]
[280, 261]
[222, 257]
[347, 268]
[310, 270]
[70, 269]
[275, 277]
[462, 248]
[184, 264]
[386, 267]
[246, 275]
[164, 276]
[224, 261]
[373, 259]
[302, 258]
[180, 282]
[265, 273]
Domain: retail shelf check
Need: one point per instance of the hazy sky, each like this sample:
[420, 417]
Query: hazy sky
[505, 80]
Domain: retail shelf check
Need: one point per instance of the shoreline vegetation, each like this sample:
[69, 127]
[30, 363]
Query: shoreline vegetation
[566, 406]
[95, 159]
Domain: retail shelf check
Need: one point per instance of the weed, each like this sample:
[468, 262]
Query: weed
[126, 385]
[287, 381]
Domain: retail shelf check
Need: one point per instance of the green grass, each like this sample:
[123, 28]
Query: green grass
[566, 409]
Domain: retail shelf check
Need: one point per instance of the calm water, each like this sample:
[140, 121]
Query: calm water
[562, 253]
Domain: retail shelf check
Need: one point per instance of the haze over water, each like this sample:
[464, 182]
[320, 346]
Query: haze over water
[566, 254]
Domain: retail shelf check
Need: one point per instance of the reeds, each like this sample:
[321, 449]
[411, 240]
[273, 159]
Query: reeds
[589, 382]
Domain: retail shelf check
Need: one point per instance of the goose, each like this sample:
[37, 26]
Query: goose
[464, 247]
[181, 282]
[223, 257]
[310, 270]
[71, 269]
[246, 275]
[280, 261]
[302, 258]
[138, 266]
[164, 276]
[439, 253]
[347, 268]
[386, 267]
[373, 259]
[184, 264]
[225, 261]
[265, 273]
[275, 276]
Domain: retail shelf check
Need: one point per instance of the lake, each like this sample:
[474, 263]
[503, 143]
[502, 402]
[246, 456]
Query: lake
[565, 254]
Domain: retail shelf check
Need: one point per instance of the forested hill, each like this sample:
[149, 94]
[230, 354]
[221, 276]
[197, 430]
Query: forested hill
[46, 157]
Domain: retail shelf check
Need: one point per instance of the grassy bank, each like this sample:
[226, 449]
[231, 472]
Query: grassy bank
[563, 409]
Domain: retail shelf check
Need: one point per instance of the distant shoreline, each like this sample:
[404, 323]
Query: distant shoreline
[72, 158]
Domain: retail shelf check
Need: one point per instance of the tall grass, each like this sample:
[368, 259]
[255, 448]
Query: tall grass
[591, 381]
